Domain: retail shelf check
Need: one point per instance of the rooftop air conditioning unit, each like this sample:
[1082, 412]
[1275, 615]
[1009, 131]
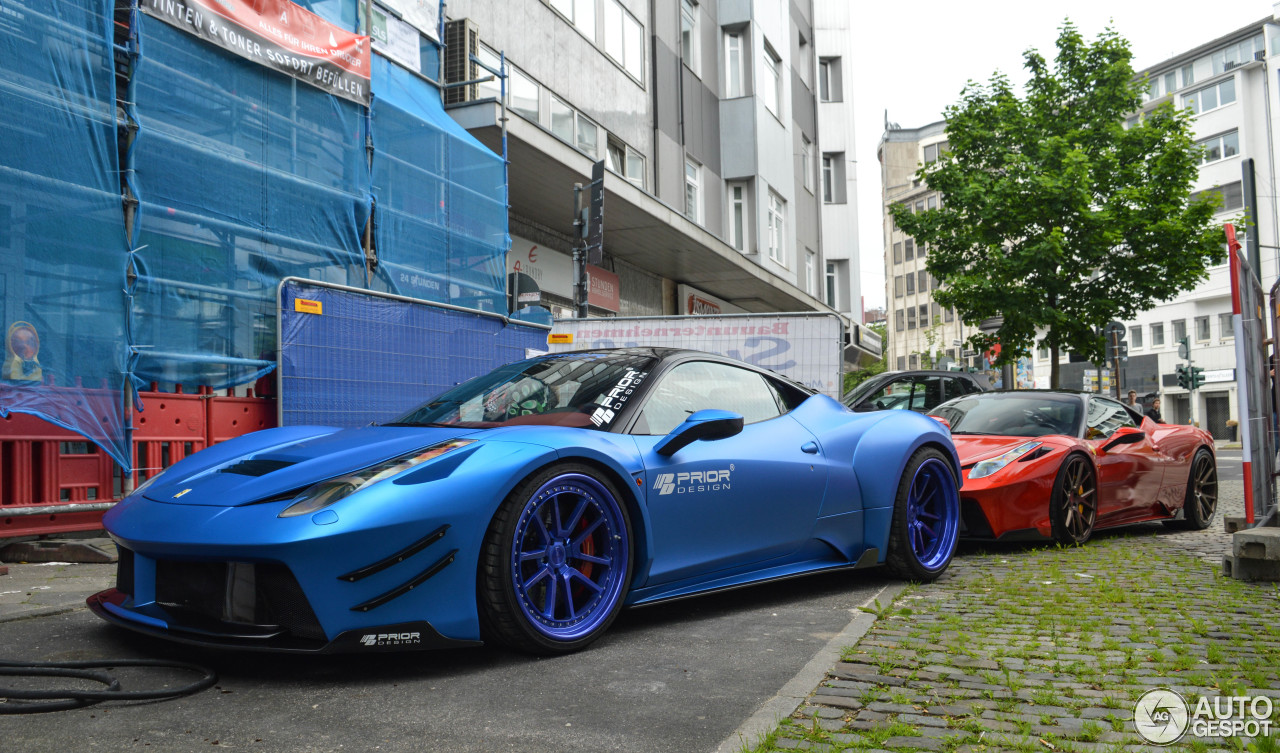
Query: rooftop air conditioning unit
[462, 42]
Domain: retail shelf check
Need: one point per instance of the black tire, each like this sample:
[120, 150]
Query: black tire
[1201, 501]
[541, 619]
[926, 517]
[1073, 506]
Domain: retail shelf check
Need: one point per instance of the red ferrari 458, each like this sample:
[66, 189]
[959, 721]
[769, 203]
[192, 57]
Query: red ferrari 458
[1041, 464]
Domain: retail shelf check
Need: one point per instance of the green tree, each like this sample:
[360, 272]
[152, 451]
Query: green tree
[1056, 216]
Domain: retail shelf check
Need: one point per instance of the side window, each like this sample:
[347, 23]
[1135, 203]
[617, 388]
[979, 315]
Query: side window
[927, 393]
[788, 395]
[953, 387]
[698, 385]
[1105, 416]
[893, 396]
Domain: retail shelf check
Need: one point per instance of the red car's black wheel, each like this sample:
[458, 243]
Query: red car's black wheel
[1202, 492]
[1073, 508]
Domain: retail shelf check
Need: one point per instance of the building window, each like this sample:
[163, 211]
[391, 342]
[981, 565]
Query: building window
[1226, 329]
[1231, 195]
[771, 82]
[777, 224]
[626, 162]
[933, 202]
[1170, 82]
[1211, 97]
[899, 322]
[1179, 330]
[810, 272]
[897, 286]
[910, 248]
[692, 181]
[738, 215]
[562, 117]
[950, 315]
[1157, 335]
[624, 38]
[733, 70]
[1044, 352]
[922, 281]
[833, 188]
[924, 315]
[522, 94]
[806, 163]
[1220, 147]
[588, 136]
[829, 86]
[581, 13]
[913, 362]
[897, 252]
[831, 284]
[931, 154]
[689, 43]
[1188, 74]
[911, 317]
[1135, 337]
[911, 283]
[902, 363]
[1202, 328]
[1236, 55]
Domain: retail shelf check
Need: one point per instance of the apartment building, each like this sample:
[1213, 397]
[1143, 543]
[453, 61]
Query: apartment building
[706, 115]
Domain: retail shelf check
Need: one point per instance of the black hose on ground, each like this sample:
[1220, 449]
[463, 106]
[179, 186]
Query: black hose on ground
[39, 701]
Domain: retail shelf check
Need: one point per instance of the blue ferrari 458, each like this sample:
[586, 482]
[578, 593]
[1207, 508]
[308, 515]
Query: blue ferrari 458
[528, 506]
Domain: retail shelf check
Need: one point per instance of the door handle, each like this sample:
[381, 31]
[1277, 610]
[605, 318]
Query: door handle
[809, 447]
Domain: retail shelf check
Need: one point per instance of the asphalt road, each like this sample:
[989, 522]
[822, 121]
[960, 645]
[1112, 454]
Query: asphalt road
[1229, 467]
[676, 677]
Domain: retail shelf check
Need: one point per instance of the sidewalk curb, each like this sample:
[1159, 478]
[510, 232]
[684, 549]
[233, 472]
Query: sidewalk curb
[800, 687]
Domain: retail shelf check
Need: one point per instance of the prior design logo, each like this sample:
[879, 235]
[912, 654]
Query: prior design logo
[612, 402]
[390, 639]
[693, 481]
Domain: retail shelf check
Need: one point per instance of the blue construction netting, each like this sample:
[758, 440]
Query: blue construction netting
[62, 238]
[350, 357]
[235, 177]
[245, 176]
[441, 203]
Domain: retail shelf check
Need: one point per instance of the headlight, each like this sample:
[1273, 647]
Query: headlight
[325, 493]
[990, 466]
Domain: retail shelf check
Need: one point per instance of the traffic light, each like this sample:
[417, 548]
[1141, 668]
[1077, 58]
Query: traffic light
[1197, 377]
[1184, 377]
[1184, 347]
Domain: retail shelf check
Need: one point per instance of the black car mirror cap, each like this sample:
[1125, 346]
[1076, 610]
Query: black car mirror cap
[707, 424]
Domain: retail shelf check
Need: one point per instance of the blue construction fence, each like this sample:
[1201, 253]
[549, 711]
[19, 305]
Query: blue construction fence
[155, 190]
[348, 357]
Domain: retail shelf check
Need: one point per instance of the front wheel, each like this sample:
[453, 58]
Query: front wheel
[926, 517]
[1202, 492]
[556, 561]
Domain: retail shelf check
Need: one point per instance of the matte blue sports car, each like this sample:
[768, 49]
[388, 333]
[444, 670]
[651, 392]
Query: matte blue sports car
[529, 506]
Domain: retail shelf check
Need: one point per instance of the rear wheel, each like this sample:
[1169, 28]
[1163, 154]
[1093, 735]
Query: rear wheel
[1202, 492]
[556, 562]
[1073, 507]
[926, 517]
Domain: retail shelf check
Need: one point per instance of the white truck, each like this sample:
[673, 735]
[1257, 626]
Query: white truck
[807, 347]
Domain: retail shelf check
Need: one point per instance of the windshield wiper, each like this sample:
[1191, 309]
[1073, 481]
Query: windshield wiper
[978, 433]
[418, 423]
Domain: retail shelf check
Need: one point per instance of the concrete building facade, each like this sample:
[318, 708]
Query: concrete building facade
[706, 116]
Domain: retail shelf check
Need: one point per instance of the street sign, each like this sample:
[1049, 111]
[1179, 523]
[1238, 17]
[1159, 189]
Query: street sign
[595, 216]
[1113, 328]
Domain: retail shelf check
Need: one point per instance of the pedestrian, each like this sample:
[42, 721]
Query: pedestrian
[1132, 402]
[1153, 412]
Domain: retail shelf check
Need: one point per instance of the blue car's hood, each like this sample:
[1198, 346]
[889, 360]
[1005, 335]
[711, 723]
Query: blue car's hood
[283, 468]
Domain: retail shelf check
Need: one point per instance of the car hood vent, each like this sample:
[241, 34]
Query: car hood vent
[255, 467]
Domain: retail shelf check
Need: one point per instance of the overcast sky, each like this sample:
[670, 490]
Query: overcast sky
[913, 58]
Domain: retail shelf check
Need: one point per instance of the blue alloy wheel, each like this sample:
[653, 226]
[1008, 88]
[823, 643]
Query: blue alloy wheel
[926, 517]
[564, 560]
[933, 510]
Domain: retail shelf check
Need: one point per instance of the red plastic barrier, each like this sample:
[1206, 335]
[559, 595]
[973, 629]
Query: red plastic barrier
[46, 466]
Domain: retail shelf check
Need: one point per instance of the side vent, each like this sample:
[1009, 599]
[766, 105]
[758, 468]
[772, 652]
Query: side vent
[462, 42]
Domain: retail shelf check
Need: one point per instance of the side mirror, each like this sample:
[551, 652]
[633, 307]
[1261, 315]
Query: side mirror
[704, 424]
[1124, 435]
[942, 421]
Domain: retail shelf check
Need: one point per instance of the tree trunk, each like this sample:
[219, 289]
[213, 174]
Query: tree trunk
[1053, 367]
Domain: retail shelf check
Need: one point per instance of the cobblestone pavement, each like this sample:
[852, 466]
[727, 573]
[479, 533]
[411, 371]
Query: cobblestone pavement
[37, 589]
[1043, 648]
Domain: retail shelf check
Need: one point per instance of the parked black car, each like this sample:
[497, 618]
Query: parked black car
[919, 391]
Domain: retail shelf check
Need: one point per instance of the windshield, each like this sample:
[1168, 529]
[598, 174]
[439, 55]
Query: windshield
[1012, 415]
[575, 389]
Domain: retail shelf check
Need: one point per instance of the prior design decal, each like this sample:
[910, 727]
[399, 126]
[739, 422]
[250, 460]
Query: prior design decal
[390, 639]
[693, 481]
[614, 399]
